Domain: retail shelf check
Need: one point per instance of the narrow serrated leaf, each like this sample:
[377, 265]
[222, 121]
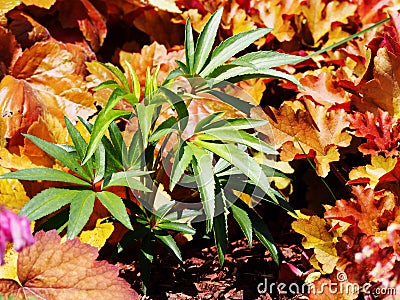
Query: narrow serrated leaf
[58, 153]
[205, 41]
[242, 218]
[181, 162]
[176, 226]
[170, 243]
[44, 174]
[80, 210]
[47, 202]
[237, 103]
[115, 206]
[231, 46]
[189, 46]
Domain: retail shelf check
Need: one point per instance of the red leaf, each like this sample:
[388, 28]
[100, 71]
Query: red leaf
[52, 270]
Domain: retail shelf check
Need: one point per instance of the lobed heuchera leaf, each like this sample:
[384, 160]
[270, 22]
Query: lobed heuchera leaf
[50, 269]
[381, 131]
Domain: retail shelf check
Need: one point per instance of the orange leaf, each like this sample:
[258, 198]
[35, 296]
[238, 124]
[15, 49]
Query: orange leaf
[40, 3]
[52, 270]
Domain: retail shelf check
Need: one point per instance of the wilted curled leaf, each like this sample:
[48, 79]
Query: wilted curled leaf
[52, 270]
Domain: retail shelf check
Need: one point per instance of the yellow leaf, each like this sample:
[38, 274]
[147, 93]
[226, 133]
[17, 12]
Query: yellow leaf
[40, 3]
[322, 161]
[168, 5]
[9, 269]
[12, 193]
[99, 235]
[316, 236]
[7, 5]
[379, 166]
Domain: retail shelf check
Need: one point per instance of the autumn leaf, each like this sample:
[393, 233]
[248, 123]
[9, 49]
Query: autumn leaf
[317, 237]
[12, 193]
[379, 166]
[52, 270]
[321, 16]
[381, 131]
[369, 210]
[323, 88]
[98, 236]
[299, 132]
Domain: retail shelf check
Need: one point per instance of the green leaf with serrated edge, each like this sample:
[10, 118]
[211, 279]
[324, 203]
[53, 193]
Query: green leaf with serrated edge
[163, 210]
[135, 81]
[179, 105]
[172, 75]
[100, 163]
[58, 153]
[125, 179]
[269, 59]
[44, 174]
[221, 225]
[115, 206]
[205, 41]
[111, 84]
[237, 136]
[117, 139]
[239, 159]
[260, 230]
[79, 143]
[221, 165]
[189, 46]
[99, 128]
[169, 125]
[135, 151]
[242, 218]
[169, 242]
[182, 66]
[145, 118]
[181, 162]
[203, 171]
[47, 202]
[80, 210]
[113, 100]
[237, 123]
[231, 46]
[186, 214]
[146, 256]
[118, 73]
[237, 103]
[110, 151]
[210, 119]
[176, 226]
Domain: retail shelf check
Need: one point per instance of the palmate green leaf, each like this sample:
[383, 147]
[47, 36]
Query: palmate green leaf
[44, 174]
[111, 152]
[237, 136]
[99, 163]
[59, 153]
[146, 256]
[80, 210]
[232, 46]
[260, 229]
[235, 124]
[118, 73]
[204, 175]
[169, 125]
[169, 242]
[47, 202]
[242, 218]
[181, 162]
[115, 206]
[210, 119]
[220, 226]
[237, 103]
[239, 159]
[99, 128]
[135, 82]
[176, 226]
[189, 46]
[205, 41]
[126, 179]
[80, 144]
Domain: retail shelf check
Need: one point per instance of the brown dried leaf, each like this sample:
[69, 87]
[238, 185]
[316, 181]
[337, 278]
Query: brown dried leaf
[52, 270]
